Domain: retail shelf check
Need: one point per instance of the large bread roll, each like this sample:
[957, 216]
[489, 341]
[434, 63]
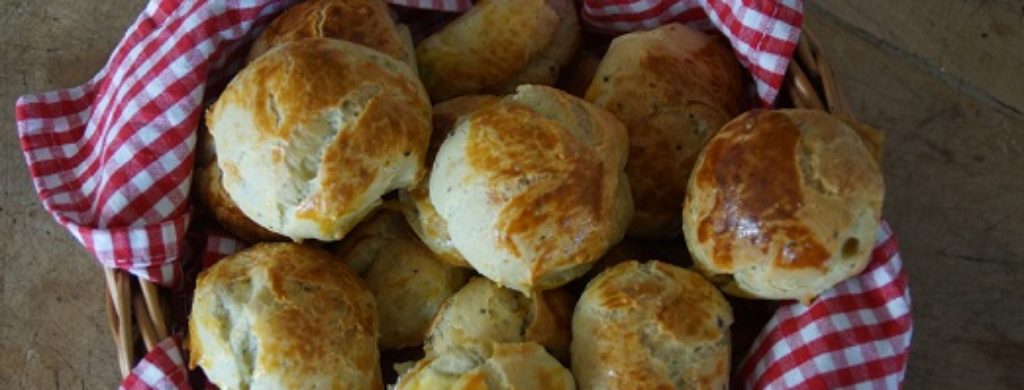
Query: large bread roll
[498, 45]
[483, 313]
[508, 366]
[532, 188]
[284, 316]
[783, 204]
[416, 206]
[365, 22]
[672, 87]
[312, 134]
[409, 282]
[651, 326]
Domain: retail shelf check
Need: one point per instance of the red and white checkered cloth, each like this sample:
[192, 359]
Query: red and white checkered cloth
[112, 161]
[161, 368]
[763, 33]
[855, 335]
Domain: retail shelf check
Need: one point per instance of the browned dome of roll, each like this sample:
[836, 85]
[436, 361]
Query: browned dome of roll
[311, 135]
[365, 22]
[672, 87]
[498, 45]
[284, 315]
[783, 204]
[651, 326]
[532, 188]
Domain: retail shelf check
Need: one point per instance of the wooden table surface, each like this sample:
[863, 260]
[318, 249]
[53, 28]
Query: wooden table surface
[942, 78]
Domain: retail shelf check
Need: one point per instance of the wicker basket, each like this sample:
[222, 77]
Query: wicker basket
[137, 309]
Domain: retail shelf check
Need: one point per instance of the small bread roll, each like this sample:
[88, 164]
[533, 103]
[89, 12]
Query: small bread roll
[409, 282]
[415, 202]
[651, 326]
[672, 87]
[482, 313]
[783, 204]
[509, 366]
[284, 315]
[225, 211]
[365, 22]
[312, 134]
[498, 45]
[532, 188]
[376, 233]
[546, 66]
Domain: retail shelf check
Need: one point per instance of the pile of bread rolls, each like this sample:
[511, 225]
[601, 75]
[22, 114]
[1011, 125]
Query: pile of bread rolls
[447, 198]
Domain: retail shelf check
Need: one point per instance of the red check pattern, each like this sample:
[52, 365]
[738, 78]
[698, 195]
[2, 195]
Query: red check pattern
[763, 33]
[856, 334]
[161, 368]
[112, 161]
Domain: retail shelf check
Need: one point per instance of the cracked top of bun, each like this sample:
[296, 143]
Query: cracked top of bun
[312, 134]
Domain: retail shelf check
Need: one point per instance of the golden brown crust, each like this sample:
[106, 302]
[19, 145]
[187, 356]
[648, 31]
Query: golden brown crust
[485, 47]
[651, 325]
[549, 322]
[532, 188]
[408, 281]
[509, 366]
[365, 22]
[284, 315]
[672, 87]
[312, 134]
[512, 139]
[225, 211]
[786, 202]
[544, 68]
[416, 206]
[483, 313]
[447, 115]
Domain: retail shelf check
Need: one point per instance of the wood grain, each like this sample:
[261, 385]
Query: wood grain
[955, 198]
[976, 45]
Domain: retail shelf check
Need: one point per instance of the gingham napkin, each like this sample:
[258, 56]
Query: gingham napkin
[112, 161]
[763, 33]
[161, 368]
[855, 335]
